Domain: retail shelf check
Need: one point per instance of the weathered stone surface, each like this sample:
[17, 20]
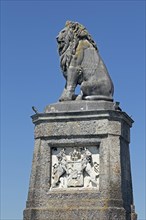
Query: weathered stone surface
[79, 214]
[81, 64]
[71, 131]
[81, 105]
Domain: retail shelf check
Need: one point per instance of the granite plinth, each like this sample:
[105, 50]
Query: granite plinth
[81, 125]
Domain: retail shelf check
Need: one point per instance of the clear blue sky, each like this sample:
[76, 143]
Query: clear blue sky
[31, 75]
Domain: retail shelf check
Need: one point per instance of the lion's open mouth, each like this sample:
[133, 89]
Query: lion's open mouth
[59, 40]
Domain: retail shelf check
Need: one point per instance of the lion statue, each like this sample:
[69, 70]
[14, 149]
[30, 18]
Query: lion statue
[82, 65]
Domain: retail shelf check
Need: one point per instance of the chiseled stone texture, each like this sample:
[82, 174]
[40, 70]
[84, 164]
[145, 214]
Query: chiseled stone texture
[84, 124]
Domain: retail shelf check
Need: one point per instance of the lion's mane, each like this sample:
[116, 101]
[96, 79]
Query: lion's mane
[73, 33]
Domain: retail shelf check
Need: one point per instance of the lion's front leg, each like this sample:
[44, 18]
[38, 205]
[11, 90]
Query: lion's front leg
[67, 95]
[71, 83]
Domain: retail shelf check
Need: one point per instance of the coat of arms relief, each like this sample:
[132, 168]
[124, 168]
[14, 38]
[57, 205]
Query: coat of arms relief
[75, 167]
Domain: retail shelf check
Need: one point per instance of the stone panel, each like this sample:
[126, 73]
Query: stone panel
[75, 167]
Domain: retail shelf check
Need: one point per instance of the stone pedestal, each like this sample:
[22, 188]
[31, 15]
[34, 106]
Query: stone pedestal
[81, 163]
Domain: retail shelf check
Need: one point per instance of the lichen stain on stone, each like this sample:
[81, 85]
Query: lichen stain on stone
[82, 45]
[106, 205]
[116, 168]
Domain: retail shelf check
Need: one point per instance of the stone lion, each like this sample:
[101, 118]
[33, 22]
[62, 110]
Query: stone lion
[82, 65]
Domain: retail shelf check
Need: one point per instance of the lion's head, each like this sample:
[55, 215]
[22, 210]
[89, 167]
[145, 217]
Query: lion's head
[68, 40]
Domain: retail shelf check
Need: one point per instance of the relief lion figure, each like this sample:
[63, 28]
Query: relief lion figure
[82, 65]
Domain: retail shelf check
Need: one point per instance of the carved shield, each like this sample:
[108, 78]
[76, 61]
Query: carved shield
[75, 174]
